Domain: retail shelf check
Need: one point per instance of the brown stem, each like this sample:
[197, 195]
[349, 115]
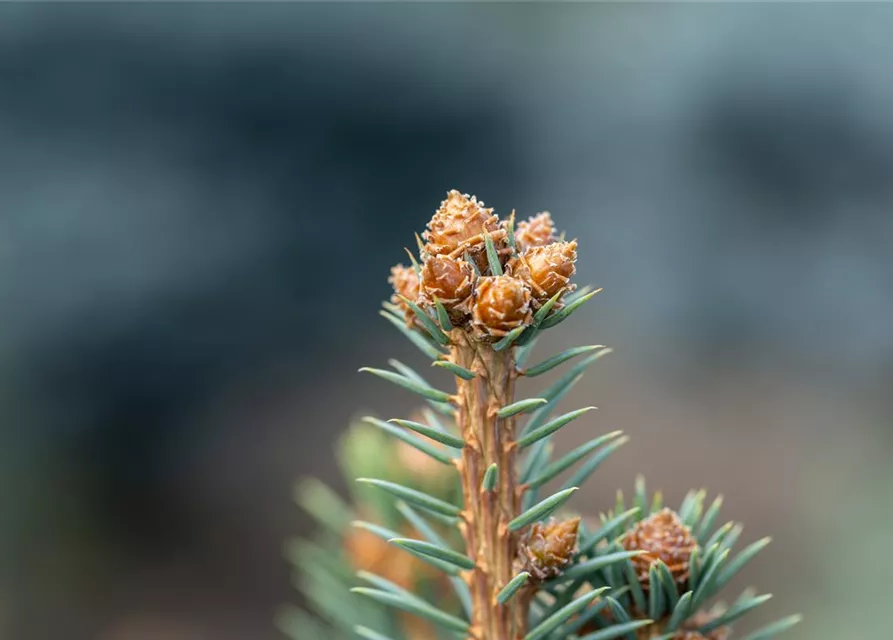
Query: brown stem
[488, 440]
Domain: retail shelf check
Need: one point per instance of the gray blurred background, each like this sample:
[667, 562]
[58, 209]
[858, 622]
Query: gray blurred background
[199, 205]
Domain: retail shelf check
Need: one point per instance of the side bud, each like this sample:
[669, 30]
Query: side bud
[501, 303]
[548, 548]
[662, 536]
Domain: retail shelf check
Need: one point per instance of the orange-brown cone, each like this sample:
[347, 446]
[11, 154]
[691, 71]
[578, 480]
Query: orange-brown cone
[458, 223]
[406, 283]
[535, 232]
[501, 303]
[458, 227]
[662, 536]
[449, 280]
[548, 548]
[548, 269]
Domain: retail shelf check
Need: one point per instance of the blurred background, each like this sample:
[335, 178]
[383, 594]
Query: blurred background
[199, 205]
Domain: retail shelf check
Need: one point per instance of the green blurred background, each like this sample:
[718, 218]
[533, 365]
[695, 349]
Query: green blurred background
[199, 205]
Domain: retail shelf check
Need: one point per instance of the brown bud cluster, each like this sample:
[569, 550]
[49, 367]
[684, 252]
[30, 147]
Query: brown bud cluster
[486, 300]
[449, 280]
[547, 269]
[662, 536]
[548, 548]
[501, 303]
[535, 232]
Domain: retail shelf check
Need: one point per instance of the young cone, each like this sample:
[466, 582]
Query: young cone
[501, 304]
[405, 281]
[662, 536]
[449, 280]
[548, 548]
[546, 269]
[458, 227]
[535, 232]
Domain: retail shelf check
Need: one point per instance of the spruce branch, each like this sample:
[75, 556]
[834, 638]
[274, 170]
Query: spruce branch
[475, 302]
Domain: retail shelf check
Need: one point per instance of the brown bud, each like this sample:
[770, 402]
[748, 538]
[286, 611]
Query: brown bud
[501, 303]
[406, 283]
[459, 225]
[548, 548]
[535, 232]
[548, 269]
[662, 536]
[450, 280]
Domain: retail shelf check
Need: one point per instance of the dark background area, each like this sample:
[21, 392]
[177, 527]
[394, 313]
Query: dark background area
[199, 205]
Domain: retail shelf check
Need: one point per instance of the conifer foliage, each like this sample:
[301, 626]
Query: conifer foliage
[449, 533]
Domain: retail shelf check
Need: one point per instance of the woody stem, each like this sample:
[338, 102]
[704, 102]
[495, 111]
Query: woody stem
[488, 440]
